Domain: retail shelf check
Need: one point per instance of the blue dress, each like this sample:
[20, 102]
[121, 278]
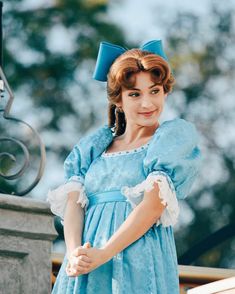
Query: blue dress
[111, 185]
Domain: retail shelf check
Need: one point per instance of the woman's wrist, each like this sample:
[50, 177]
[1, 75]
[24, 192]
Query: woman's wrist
[68, 254]
[107, 253]
[69, 251]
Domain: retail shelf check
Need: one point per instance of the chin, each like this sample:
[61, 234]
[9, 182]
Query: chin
[148, 123]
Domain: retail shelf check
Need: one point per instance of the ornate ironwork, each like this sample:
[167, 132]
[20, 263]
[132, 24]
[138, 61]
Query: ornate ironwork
[5, 114]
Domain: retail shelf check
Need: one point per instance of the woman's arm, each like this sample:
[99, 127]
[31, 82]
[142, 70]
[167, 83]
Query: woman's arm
[137, 223]
[143, 216]
[73, 222]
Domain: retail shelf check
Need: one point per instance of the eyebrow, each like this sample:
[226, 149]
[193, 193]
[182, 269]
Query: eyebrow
[139, 89]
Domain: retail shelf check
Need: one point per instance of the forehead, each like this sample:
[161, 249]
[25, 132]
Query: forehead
[143, 76]
[141, 80]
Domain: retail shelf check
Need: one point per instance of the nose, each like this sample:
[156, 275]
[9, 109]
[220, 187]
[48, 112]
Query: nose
[146, 102]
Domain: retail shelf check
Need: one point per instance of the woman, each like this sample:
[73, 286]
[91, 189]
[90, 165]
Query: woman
[120, 198]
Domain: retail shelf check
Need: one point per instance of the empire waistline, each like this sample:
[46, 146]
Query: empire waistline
[107, 196]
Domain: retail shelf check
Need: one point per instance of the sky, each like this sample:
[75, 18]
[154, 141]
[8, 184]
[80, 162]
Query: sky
[131, 15]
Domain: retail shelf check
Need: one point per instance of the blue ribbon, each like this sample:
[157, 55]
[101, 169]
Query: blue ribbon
[108, 52]
[107, 196]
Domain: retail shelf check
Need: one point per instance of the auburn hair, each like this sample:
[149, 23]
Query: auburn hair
[122, 74]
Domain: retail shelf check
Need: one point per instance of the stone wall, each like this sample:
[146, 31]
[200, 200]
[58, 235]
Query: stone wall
[26, 235]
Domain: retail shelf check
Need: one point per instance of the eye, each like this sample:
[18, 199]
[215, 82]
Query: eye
[134, 94]
[155, 91]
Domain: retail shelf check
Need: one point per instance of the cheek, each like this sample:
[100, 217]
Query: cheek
[130, 106]
[161, 102]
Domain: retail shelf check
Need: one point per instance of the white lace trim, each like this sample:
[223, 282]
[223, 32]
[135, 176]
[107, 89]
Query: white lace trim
[58, 197]
[166, 193]
[117, 153]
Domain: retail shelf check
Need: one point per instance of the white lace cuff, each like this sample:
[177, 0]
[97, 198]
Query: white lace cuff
[167, 194]
[58, 197]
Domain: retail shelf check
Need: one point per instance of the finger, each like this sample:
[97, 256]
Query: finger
[73, 272]
[68, 271]
[70, 274]
[87, 245]
[83, 264]
[68, 266]
[83, 258]
[75, 250]
[73, 260]
[79, 251]
[79, 270]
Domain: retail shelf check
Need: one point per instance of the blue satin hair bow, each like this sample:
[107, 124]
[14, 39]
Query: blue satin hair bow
[108, 52]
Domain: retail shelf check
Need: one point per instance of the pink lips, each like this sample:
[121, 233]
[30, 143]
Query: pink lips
[147, 113]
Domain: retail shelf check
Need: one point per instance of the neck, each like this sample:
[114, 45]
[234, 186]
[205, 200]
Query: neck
[135, 133]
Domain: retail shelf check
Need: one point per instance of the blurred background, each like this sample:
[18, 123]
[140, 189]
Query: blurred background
[49, 54]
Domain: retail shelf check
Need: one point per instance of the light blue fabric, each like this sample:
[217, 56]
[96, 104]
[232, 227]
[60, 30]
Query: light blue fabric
[148, 265]
[85, 151]
[174, 151]
[108, 196]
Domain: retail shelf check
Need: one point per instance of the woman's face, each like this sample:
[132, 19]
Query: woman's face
[144, 97]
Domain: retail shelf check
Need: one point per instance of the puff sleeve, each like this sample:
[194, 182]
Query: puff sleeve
[172, 160]
[75, 166]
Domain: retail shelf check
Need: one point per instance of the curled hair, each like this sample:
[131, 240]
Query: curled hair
[122, 74]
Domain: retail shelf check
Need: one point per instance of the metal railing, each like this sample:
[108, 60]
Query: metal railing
[13, 143]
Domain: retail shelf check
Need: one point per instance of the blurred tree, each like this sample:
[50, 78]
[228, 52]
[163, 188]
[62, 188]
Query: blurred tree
[48, 49]
[48, 70]
[204, 63]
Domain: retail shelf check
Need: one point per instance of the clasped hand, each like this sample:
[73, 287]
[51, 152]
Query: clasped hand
[84, 259]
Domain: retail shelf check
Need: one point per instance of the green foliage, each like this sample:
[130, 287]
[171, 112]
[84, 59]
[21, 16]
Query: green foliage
[201, 55]
[45, 73]
[50, 74]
